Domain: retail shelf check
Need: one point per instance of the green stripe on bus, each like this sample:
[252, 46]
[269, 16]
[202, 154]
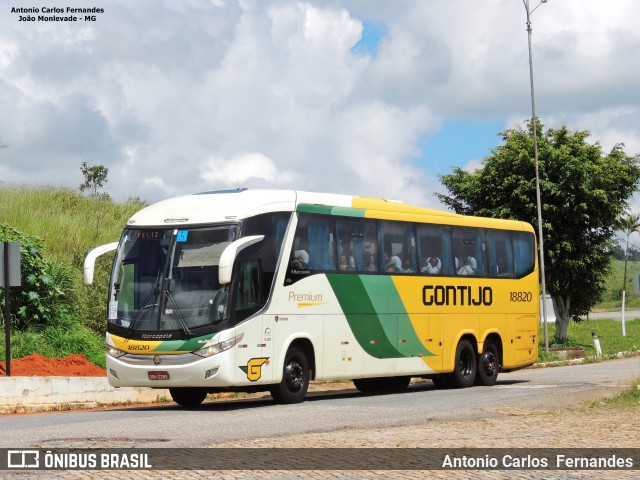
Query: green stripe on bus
[348, 212]
[308, 208]
[363, 319]
[327, 210]
[183, 345]
[395, 320]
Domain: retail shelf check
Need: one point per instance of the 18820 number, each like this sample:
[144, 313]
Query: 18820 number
[520, 296]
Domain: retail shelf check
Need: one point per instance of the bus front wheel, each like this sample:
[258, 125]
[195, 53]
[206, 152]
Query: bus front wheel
[188, 397]
[295, 378]
[464, 373]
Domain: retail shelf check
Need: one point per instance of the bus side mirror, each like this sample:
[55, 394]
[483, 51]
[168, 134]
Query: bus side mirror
[229, 255]
[90, 260]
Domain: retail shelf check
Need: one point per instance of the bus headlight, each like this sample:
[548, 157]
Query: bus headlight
[113, 351]
[218, 347]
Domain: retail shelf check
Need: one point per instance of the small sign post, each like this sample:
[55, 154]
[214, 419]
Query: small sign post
[10, 277]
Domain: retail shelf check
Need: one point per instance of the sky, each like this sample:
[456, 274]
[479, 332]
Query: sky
[363, 97]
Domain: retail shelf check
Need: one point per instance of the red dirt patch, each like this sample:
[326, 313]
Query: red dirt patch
[35, 365]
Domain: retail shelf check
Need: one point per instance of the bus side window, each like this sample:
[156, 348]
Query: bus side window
[434, 250]
[348, 236]
[500, 253]
[398, 247]
[468, 248]
[370, 250]
[524, 253]
[313, 245]
[357, 247]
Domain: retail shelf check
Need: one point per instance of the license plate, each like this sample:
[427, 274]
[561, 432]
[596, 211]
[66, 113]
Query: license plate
[158, 375]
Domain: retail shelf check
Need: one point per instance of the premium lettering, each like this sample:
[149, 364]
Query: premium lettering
[305, 297]
[461, 295]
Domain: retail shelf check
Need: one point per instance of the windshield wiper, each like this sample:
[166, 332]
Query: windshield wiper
[137, 319]
[168, 294]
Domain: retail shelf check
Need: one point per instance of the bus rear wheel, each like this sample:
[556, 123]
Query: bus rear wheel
[488, 365]
[464, 373]
[188, 397]
[295, 378]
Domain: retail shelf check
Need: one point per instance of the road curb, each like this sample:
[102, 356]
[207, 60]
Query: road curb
[22, 394]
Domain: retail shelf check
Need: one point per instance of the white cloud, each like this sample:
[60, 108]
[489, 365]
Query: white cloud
[240, 169]
[200, 94]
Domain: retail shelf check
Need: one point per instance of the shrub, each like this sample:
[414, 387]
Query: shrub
[45, 286]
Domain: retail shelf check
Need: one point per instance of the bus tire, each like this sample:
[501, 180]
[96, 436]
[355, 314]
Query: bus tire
[464, 373]
[488, 365]
[295, 378]
[382, 384]
[188, 397]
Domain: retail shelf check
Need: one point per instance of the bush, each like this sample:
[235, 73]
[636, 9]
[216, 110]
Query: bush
[45, 287]
[66, 337]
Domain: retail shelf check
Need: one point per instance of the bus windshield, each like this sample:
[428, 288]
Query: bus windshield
[166, 280]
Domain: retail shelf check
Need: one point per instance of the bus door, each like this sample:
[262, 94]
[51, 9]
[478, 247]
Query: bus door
[255, 351]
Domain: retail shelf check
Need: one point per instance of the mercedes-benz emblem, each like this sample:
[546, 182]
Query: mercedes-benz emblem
[156, 360]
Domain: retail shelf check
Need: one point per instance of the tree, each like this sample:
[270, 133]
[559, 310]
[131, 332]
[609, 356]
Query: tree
[95, 176]
[583, 194]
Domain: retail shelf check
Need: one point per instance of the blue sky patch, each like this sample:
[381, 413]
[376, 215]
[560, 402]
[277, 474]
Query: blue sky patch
[458, 142]
[372, 33]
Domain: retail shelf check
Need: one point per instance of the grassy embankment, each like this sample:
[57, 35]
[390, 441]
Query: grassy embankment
[609, 333]
[70, 225]
[613, 296]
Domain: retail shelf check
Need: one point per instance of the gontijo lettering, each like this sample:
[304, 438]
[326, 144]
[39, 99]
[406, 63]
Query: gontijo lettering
[456, 295]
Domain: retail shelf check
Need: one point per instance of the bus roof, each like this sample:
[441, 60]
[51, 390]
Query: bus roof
[231, 205]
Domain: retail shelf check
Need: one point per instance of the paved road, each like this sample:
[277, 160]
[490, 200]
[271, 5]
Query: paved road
[507, 414]
[628, 315]
[227, 421]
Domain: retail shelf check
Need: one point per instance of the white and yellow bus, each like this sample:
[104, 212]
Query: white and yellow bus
[256, 290]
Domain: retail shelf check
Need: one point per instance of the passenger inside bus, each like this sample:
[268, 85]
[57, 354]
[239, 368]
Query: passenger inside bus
[407, 266]
[369, 262]
[347, 263]
[502, 269]
[432, 266]
[392, 263]
[300, 260]
[469, 266]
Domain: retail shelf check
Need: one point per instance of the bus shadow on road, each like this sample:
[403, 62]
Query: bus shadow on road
[265, 400]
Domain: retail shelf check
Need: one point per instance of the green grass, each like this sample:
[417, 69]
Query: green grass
[608, 331]
[627, 398]
[69, 223]
[65, 338]
[613, 296]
